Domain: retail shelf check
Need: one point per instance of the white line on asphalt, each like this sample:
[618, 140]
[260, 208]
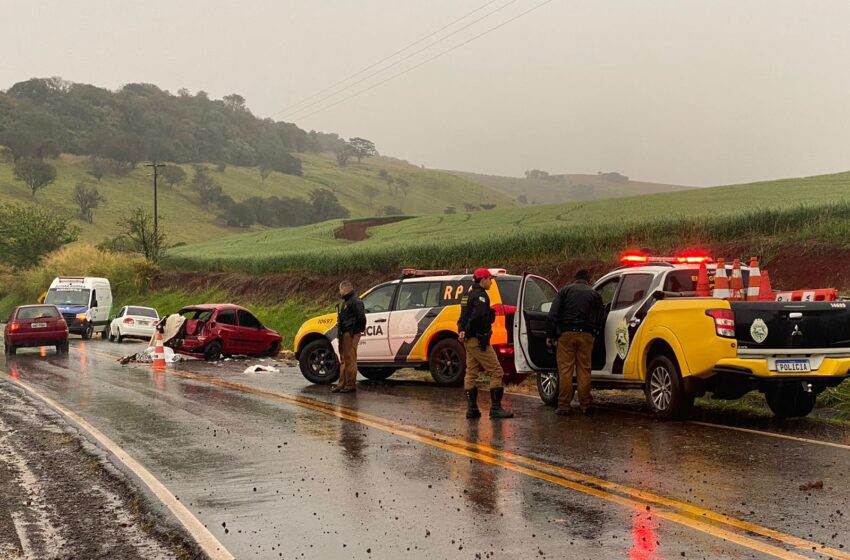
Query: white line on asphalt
[206, 540]
[724, 427]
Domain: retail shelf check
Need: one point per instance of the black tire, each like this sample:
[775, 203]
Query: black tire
[88, 330]
[447, 362]
[273, 350]
[10, 349]
[376, 373]
[62, 348]
[318, 362]
[789, 400]
[665, 391]
[120, 336]
[547, 387]
[212, 353]
[111, 336]
[104, 334]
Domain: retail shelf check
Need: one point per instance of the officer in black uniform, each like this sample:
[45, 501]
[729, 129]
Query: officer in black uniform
[474, 331]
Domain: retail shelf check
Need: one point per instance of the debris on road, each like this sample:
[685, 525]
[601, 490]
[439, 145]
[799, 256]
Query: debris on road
[146, 357]
[261, 369]
[814, 485]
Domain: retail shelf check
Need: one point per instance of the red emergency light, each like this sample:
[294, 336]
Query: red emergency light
[637, 258]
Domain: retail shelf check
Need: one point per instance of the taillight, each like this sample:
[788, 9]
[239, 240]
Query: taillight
[503, 309]
[62, 324]
[129, 321]
[14, 327]
[724, 322]
[504, 349]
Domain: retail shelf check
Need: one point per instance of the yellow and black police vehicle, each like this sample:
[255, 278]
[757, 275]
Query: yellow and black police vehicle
[411, 322]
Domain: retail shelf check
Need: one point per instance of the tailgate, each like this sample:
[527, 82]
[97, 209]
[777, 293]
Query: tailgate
[792, 325]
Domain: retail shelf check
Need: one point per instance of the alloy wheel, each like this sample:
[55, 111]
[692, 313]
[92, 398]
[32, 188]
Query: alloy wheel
[661, 388]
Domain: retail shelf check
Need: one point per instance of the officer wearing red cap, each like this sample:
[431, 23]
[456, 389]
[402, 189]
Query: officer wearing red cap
[474, 331]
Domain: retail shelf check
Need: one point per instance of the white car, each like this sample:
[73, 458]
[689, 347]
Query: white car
[133, 322]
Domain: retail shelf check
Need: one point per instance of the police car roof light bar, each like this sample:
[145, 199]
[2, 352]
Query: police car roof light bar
[415, 273]
[636, 259]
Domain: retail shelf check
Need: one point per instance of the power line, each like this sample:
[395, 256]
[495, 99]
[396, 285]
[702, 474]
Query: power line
[427, 60]
[414, 43]
[399, 61]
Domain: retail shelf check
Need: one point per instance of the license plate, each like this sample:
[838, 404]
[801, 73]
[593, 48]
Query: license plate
[39, 325]
[144, 323]
[793, 366]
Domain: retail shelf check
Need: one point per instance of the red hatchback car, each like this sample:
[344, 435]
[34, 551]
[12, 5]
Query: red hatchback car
[223, 329]
[36, 325]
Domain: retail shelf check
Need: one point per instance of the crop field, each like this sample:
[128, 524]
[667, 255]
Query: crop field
[791, 209]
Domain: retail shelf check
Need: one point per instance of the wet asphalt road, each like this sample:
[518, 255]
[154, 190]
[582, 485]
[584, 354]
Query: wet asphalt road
[279, 468]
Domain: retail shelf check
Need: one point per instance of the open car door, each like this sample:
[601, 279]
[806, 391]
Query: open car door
[534, 300]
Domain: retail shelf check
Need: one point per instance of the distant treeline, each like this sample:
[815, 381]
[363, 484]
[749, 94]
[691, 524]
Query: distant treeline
[44, 117]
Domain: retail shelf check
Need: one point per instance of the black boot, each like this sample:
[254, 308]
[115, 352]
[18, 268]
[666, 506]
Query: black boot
[472, 403]
[496, 410]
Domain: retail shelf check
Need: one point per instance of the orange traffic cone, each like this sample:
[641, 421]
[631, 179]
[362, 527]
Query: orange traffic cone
[754, 285]
[736, 285]
[765, 290]
[721, 281]
[159, 353]
[703, 289]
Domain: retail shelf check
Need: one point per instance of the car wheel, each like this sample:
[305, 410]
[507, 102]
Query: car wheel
[447, 362]
[376, 373]
[665, 391]
[120, 337]
[87, 332]
[790, 400]
[104, 334]
[62, 348]
[111, 335]
[273, 350]
[212, 353]
[547, 387]
[10, 349]
[318, 362]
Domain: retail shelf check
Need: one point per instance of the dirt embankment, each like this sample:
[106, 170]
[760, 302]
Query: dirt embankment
[358, 230]
[792, 267]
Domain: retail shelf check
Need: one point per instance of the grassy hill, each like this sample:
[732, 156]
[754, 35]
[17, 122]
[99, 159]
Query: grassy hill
[812, 207]
[557, 189]
[188, 221]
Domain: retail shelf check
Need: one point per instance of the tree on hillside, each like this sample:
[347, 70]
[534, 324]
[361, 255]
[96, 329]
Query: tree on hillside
[403, 185]
[240, 215]
[28, 233]
[371, 192]
[522, 199]
[326, 206]
[362, 148]
[450, 210]
[470, 207]
[35, 173]
[536, 174]
[488, 206]
[206, 187]
[343, 152]
[87, 198]
[265, 171]
[137, 235]
[173, 175]
[391, 211]
[99, 167]
[234, 102]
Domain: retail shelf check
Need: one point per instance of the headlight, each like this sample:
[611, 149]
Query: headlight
[81, 316]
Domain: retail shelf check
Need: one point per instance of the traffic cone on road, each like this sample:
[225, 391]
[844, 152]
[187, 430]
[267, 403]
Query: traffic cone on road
[765, 290]
[703, 289]
[721, 281]
[754, 285]
[159, 353]
[736, 284]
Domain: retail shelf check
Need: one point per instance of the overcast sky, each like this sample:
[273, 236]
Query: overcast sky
[677, 91]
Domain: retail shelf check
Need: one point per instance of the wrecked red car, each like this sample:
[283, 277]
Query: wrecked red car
[216, 330]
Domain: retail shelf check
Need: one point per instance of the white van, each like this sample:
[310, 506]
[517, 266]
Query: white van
[85, 303]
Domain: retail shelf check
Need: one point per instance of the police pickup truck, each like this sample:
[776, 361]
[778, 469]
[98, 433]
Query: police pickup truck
[660, 338]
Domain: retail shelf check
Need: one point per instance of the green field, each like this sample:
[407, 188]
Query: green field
[805, 208]
[187, 221]
[558, 189]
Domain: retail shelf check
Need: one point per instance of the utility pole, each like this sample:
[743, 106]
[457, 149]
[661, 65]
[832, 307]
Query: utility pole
[155, 167]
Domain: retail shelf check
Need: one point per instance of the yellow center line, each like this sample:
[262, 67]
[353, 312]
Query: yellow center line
[679, 512]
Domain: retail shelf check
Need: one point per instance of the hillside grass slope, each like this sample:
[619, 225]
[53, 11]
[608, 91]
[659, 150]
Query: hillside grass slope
[187, 221]
[805, 208]
[559, 189]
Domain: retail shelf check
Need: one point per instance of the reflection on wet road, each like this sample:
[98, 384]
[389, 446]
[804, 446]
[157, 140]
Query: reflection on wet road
[276, 467]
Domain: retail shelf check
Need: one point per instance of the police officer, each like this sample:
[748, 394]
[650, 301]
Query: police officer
[576, 317]
[474, 331]
[350, 324]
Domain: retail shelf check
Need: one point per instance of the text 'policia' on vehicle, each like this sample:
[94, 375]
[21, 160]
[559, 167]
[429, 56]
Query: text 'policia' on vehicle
[673, 329]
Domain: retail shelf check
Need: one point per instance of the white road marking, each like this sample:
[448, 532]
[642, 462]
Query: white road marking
[206, 540]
